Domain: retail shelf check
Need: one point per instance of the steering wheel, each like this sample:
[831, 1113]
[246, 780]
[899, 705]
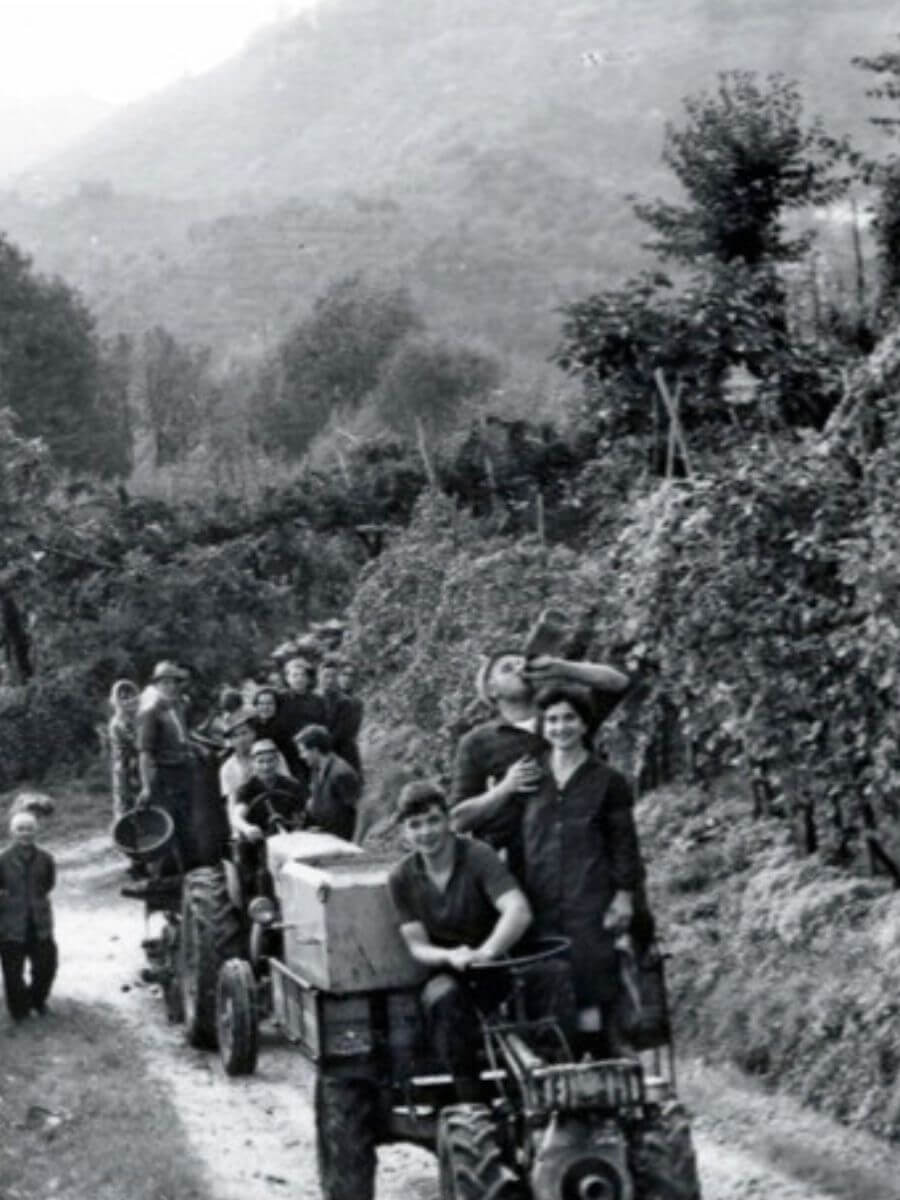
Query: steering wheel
[537, 951]
[274, 811]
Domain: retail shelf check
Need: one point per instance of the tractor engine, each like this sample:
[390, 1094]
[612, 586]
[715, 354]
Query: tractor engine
[581, 1158]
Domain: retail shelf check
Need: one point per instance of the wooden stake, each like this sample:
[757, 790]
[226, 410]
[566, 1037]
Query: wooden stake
[675, 431]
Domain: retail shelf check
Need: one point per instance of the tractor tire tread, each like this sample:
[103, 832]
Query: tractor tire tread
[218, 934]
[472, 1163]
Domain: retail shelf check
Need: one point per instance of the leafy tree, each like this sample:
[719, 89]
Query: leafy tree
[172, 380]
[50, 370]
[886, 177]
[424, 386]
[116, 365]
[332, 359]
[744, 157]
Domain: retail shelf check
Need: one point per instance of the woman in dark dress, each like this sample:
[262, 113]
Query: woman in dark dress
[266, 704]
[582, 863]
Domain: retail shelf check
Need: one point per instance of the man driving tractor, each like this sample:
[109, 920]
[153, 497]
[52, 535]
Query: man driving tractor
[457, 905]
[266, 779]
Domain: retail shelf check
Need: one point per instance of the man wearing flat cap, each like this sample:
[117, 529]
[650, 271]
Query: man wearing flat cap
[240, 735]
[289, 796]
[165, 756]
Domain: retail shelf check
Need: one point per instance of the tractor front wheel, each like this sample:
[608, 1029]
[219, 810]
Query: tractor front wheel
[211, 932]
[345, 1111]
[236, 1018]
[470, 1157]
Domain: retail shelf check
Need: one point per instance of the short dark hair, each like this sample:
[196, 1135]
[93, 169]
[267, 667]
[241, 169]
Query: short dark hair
[417, 797]
[314, 737]
[230, 699]
[266, 690]
[569, 693]
[332, 660]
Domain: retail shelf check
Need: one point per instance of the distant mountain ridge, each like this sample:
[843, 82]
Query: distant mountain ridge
[479, 150]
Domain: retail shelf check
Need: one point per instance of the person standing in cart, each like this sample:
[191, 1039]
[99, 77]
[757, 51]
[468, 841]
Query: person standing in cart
[497, 765]
[582, 867]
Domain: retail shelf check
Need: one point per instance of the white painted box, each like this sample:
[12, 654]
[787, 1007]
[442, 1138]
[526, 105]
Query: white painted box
[340, 928]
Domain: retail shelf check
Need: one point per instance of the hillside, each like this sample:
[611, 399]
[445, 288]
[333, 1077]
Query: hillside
[33, 129]
[480, 155]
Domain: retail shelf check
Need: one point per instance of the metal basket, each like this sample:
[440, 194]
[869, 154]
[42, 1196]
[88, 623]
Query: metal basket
[144, 834]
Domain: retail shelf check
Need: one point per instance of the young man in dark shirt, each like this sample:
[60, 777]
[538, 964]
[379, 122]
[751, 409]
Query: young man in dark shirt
[334, 785]
[457, 906]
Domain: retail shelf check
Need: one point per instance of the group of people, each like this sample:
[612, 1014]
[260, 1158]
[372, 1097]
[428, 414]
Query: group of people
[536, 836]
[296, 733]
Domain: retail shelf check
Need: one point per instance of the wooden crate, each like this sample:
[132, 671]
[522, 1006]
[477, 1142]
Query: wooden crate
[341, 931]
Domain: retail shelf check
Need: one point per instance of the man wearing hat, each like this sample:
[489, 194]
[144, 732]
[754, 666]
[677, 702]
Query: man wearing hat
[240, 734]
[457, 905]
[266, 778]
[164, 754]
[496, 765]
[330, 633]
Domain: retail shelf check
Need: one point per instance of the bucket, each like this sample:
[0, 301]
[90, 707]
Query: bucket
[144, 834]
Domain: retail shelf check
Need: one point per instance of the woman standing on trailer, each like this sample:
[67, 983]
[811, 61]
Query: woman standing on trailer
[583, 872]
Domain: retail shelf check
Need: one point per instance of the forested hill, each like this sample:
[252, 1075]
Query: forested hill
[477, 151]
[370, 94]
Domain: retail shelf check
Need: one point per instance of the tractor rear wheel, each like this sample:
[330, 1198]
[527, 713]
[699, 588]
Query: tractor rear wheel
[236, 1018]
[663, 1161]
[470, 1157]
[211, 932]
[345, 1111]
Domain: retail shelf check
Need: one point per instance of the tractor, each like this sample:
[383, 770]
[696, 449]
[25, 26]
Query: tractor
[308, 939]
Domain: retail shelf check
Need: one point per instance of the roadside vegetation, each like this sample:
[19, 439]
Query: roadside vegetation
[714, 507]
[79, 1117]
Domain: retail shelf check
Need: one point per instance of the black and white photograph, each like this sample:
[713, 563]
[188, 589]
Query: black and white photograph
[449, 600]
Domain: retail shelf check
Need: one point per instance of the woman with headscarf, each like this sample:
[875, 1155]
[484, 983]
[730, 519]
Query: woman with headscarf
[123, 751]
[583, 872]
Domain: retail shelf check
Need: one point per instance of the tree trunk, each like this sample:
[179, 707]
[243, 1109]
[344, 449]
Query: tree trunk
[15, 639]
[427, 461]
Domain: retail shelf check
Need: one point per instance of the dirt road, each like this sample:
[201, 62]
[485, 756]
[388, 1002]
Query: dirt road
[255, 1135]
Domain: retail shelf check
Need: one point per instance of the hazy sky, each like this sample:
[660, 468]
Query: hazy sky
[122, 49]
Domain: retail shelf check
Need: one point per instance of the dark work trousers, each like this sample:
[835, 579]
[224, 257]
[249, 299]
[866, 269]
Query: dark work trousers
[42, 958]
[451, 1004]
[173, 791]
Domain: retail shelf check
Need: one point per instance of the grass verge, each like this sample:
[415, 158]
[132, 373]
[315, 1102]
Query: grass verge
[781, 964]
[80, 1119]
[797, 1142]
